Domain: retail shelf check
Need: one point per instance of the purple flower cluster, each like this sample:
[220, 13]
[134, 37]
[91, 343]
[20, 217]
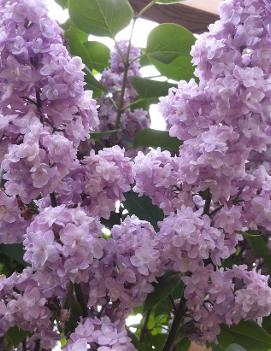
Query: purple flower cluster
[44, 110]
[64, 241]
[107, 175]
[224, 120]
[225, 125]
[156, 175]
[37, 71]
[23, 304]
[225, 297]
[187, 239]
[127, 271]
[101, 334]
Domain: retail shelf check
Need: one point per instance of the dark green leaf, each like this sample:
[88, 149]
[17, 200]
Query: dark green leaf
[247, 334]
[100, 135]
[98, 54]
[93, 84]
[75, 38]
[75, 309]
[162, 289]
[216, 347]
[148, 88]
[144, 60]
[15, 335]
[184, 345]
[63, 3]
[143, 103]
[169, 41]
[235, 347]
[100, 17]
[13, 251]
[114, 219]
[142, 207]
[179, 69]
[144, 347]
[267, 324]
[258, 246]
[156, 138]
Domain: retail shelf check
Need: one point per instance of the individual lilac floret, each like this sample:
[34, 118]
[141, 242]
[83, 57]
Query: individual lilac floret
[186, 239]
[64, 241]
[101, 334]
[37, 70]
[108, 176]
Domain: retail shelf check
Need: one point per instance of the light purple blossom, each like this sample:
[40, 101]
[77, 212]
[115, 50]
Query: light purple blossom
[64, 241]
[101, 333]
[108, 175]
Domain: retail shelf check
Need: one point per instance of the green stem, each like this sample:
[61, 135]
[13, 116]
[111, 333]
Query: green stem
[144, 329]
[145, 9]
[169, 345]
[124, 81]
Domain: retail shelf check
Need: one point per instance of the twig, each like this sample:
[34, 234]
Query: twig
[175, 327]
[144, 330]
[80, 299]
[53, 200]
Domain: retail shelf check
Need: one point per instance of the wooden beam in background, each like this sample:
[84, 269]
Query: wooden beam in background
[193, 19]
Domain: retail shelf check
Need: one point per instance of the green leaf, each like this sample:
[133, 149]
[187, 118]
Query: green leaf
[180, 68]
[114, 219]
[100, 135]
[235, 347]
[216, 347]
[258, 246]
[75, 309]
[148, 88]
[93, 84]
[162, 289]
[143, 103]
[168, 41]
[14, 252]
[247, 334]
[15, 335]
[75, 38]
[100, 17]
[156, 138]
[142, 207]
[267, 324]
[98, 54]
[63, 3]
[184, 345]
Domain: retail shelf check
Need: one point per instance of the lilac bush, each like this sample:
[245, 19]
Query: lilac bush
[93, 231]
